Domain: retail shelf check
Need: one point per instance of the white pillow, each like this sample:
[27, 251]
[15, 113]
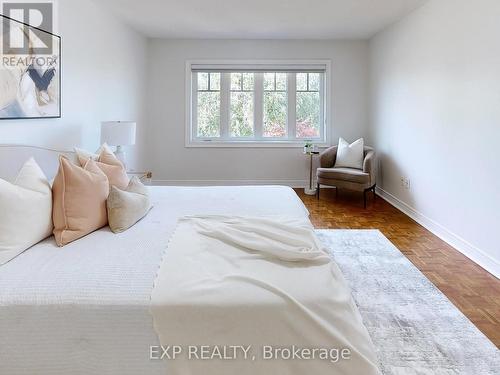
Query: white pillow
[127, 207]
[25, 211]
[350, 155]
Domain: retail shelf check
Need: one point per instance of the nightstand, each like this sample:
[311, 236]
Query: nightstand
[310, 190]
[145, 177]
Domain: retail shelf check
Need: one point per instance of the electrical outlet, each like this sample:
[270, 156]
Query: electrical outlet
[405, 183]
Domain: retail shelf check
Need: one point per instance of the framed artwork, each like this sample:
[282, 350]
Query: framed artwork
[30, 72]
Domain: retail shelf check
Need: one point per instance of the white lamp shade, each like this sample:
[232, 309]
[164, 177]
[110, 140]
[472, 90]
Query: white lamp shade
[118, 133]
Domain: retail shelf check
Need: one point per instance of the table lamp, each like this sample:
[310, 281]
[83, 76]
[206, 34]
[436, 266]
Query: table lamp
[119, 134]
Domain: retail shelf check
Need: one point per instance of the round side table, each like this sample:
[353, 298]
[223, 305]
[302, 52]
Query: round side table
[310, 190]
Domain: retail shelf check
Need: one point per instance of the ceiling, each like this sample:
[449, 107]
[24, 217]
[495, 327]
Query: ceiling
[261, 19]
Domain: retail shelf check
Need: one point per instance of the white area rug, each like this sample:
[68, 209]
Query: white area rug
[414, 327]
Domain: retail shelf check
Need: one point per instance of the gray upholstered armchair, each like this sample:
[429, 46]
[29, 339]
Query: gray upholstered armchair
[348, 178]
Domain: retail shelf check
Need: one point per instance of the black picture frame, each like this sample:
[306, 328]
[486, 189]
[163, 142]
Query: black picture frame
[59, 65]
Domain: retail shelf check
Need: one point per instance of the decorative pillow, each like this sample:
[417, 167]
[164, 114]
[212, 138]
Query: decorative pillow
[108, 163]
[82, 154]
[127, 207]
[350, 155]
[79, 200]
[25, 211]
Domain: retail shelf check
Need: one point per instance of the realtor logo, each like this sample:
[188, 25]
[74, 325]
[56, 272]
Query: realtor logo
[32, 34]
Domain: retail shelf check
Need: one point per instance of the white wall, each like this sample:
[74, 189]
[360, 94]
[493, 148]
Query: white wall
[172, 163]
[435, 94]
[103, 78]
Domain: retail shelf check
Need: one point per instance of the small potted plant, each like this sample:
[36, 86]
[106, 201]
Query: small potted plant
[308, 147]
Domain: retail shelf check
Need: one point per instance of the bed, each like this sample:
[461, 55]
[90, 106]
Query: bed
[84, 309]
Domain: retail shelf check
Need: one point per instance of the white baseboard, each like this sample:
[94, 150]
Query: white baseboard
[475, 254]
[290, 183]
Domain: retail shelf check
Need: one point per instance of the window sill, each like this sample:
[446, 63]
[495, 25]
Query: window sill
[251, 144]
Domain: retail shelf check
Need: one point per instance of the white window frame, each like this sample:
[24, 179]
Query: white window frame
[257, 141]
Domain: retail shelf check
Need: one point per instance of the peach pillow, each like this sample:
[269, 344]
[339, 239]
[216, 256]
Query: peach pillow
[110, 165]
[79, 200]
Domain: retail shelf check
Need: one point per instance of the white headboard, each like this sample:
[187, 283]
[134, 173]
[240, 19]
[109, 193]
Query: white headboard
[12, 158]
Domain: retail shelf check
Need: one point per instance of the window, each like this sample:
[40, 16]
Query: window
[308, 105]
[275, 105]
[208, 105]
[242, 105]
[257, 103]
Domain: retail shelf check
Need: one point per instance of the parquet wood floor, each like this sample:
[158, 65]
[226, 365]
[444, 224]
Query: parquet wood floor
[469, 287]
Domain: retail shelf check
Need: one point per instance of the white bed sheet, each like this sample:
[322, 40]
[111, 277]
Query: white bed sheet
[83, 309]
[256, 282]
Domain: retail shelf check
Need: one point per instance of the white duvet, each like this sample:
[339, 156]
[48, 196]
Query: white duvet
[84, 308]
[239, 295]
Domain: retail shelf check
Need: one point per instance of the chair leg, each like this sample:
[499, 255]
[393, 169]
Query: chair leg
[336, 192]
[374, 194]
[372, 189]
[317, 191]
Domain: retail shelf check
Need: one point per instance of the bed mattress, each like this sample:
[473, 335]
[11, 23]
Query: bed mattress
[84, 308]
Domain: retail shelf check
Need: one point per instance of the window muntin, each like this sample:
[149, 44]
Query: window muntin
[261, 106]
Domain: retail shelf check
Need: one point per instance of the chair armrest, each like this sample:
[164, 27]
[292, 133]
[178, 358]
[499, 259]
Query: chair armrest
[370, 166]
[327, 157]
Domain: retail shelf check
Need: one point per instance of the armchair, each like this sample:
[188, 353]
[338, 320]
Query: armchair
[347, 178]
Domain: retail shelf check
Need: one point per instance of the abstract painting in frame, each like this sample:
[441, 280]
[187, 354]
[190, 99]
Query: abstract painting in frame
[30, 72]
